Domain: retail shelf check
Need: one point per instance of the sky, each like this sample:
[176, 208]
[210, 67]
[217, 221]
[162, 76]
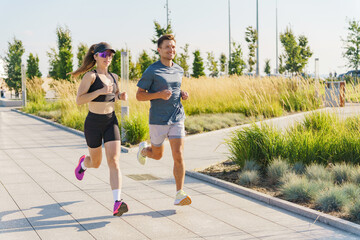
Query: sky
[203, 24]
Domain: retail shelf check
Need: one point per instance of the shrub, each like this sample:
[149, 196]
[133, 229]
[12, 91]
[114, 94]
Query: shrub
[249, 178]
[342, 172]
[351, 191]
[298, 189]
[276, 170]
[355, 178]
[251, 165]
[331, 200]
[261, 144]
[318, 172]
[136, 129]
[354, 210]
[299, 168]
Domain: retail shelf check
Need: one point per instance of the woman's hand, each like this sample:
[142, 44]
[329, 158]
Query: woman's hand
[123, 96]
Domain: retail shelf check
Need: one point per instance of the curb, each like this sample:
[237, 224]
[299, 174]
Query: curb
[58, 125]
[273, 201]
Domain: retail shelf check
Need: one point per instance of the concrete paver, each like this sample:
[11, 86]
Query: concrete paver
[41, 199]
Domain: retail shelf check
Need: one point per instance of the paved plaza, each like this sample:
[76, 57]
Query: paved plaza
[40, 198]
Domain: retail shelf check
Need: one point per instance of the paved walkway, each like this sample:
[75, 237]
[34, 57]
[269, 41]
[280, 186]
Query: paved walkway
[41, 199]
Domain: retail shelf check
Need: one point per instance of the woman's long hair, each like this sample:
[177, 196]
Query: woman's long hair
[88, 62]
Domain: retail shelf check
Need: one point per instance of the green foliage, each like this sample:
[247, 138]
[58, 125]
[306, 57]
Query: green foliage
[276, 170]
[223, 62]
[352, 46]
[249, 178]
[236, 63]
[318, 172]
[136, 129]
[251, 37]
[183, 58]
[298, 168]
[261, 144]
[212, 65]
[115, 66]
[61, 61]
[342, 172]
[330, 200]
[267, 69]
[145, 61]
[296, 54]
[82, 50]
[33, 67]
[160, 31]
[299, 189]
[351, 191]
[134, 69]
[251, 165]
[198, 65]
[13, 64]
[354, 210]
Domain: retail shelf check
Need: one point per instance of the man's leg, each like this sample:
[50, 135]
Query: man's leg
[177, 148]
[153, 152]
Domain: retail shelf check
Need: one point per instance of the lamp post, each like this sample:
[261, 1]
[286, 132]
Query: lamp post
[257, 39]
[229, 35]
[23, 85]
[124, 88]
[277, 41]
[316, 77]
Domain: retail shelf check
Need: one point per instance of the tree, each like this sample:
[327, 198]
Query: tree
[198, 65]
[296, 54]
[115, 66]
[182, 60]
[33, 67]
[145, 61]
[134, 69]
[212, 65]
[13, 65]
[352, 46]
[267, 69]
[223, 62]
[82, 50]
[61, 61]
[236, 63]
[160, 31]
[251, 37]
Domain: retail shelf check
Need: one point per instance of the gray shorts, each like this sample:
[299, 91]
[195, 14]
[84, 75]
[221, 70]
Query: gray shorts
[158, 133]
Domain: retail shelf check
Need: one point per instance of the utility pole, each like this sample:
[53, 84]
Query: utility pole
[167, 13]
[229, 34]
[277, 41]
[257, 44]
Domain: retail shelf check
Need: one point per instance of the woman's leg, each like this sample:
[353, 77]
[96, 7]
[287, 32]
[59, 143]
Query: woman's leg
[112, 151]
[94, 160]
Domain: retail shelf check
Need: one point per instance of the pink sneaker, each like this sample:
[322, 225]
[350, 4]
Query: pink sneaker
[79, 172]
[120, 207]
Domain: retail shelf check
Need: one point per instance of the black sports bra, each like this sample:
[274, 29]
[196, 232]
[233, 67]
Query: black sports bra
[98, 84]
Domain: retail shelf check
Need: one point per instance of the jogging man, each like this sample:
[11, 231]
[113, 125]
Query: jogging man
[160, 84]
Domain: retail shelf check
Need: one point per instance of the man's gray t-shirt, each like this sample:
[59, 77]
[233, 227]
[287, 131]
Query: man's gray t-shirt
[158, 77]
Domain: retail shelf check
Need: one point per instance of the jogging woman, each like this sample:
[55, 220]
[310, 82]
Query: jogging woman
[99, 88]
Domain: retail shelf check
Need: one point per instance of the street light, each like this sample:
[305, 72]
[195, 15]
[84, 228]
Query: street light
[257, 39]
[277, 40]
[229, 33]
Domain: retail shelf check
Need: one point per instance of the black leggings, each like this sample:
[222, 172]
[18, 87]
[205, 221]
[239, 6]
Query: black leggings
[101, 126]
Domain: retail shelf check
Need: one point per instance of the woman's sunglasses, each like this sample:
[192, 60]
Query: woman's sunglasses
[105, 54]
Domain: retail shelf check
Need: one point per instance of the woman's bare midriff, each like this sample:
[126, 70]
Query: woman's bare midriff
[101, 107]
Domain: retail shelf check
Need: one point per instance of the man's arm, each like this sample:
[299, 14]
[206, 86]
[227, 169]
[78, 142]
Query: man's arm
[143, 95]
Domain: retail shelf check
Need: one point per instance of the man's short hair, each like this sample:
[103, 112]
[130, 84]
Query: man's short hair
[165, 37]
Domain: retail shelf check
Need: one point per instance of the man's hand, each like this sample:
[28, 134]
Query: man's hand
[165, 94]
[184, 95]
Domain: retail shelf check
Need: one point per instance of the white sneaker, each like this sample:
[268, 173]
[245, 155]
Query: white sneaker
[182, 198]
[140, 157]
